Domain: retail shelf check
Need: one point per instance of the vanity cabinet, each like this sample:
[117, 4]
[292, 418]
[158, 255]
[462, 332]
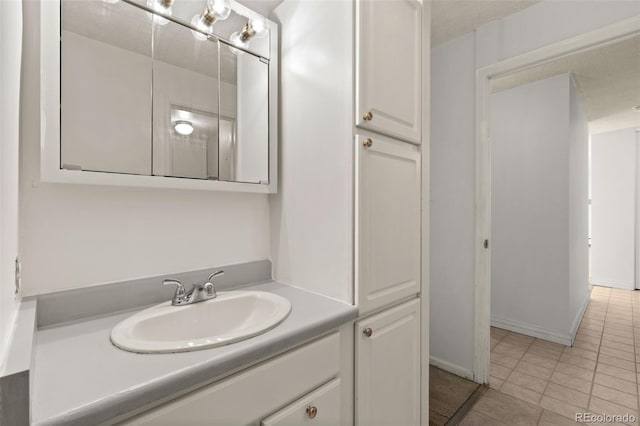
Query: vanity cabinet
[389, 68]
[308, 375]
[387, 221]
[387, 374]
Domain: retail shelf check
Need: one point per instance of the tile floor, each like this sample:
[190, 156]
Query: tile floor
[536, 382]
[447, 393]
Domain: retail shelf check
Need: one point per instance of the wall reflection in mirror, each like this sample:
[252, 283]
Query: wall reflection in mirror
[152, 95]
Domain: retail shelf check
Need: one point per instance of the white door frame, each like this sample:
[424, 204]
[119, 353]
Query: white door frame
[603, 36]
[636, 278]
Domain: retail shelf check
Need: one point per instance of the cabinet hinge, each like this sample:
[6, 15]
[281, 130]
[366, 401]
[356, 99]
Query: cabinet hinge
[486, 244]
[18, 276]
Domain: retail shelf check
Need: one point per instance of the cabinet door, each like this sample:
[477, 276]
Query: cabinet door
[320, 408]
[387, 222]
[389, 67]
[388, 367]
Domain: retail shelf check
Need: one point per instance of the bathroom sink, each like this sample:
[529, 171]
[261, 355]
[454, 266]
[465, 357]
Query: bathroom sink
[229, 318]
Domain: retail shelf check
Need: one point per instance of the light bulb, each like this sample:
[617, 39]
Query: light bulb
[236, 40]
[259, 26]
[160, 6]
[221, 8]
[198, 23]
[183, 127]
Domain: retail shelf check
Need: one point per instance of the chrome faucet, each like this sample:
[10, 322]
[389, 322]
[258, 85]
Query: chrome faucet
[199, 292]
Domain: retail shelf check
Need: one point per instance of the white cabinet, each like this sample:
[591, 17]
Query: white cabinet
[388, 367]
[349, 215]
[253, 394]
[387, 221]
[389, 67]
[320, 408]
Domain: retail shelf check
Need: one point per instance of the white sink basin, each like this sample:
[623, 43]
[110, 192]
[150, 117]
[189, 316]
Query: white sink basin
[229, 318]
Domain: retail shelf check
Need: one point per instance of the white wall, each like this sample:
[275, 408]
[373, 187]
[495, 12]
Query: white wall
[545, 23]
[529, 204]
[316, 154]
[77, 235]
[539, 257]
[10, 54]
[613, 187]
[578, 208]
[452, 201]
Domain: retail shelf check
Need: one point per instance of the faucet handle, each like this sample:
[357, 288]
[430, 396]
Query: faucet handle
[215, 274]
[209, 287]
[180, 291]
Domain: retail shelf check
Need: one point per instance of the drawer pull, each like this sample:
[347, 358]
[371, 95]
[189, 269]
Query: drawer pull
[312, 411]
[368, 116]
[367, 143]
[367, 332]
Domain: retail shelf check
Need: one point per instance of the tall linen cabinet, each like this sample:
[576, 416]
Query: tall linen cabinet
[346, 222]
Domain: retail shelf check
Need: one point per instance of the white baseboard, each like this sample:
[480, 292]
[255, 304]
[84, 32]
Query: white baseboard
[556, 336]
[611, 283]
[451, 368]
[578, 318]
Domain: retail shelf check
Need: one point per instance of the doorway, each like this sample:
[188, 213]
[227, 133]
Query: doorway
[485, 77]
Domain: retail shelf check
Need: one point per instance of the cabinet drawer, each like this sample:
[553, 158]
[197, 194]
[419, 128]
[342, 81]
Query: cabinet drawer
[320, 407]
[250, 395]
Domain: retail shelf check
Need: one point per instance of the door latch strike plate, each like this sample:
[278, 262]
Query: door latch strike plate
[18, 276]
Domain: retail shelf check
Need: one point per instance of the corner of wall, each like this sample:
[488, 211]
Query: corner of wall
[577, 319]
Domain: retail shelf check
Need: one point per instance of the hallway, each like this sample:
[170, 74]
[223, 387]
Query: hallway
[536, 382]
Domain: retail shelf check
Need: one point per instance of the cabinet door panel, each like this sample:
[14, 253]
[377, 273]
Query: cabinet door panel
[389, 67]
[388, 222]
[388, 367]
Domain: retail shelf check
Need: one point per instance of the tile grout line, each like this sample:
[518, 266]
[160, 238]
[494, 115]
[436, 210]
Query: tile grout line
[604, 323]
[611, 317]
[635, 360]
[558, 362]
[519, 359]
[553, 371]
[491, 350]
[510, 369]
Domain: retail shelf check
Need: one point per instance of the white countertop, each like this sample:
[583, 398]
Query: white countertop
[81, 378]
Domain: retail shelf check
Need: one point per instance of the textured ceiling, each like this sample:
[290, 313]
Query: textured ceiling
[607, 80]
[453, 18]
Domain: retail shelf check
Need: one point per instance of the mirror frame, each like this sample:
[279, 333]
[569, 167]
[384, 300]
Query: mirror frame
[50, 171]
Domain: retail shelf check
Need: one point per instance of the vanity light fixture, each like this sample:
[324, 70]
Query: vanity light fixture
[215, 10]
[636, 108]
[183, 127]
[253, 28]
[160, 6]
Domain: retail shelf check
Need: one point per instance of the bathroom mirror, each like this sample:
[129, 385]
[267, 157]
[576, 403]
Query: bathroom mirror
[153, 92]
[185, 103]
[244, 129]
[106, 73]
